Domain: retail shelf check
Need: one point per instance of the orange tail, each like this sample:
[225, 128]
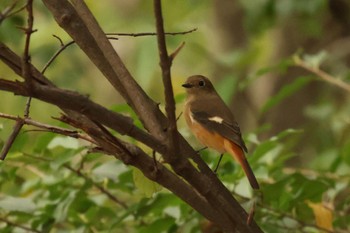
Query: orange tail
[237, 153]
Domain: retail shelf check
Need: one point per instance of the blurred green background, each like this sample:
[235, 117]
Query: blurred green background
[296, 126]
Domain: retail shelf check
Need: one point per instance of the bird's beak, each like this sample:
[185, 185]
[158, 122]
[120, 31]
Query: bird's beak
[187, 85]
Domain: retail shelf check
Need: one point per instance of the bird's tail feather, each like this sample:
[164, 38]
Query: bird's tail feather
[237, 153]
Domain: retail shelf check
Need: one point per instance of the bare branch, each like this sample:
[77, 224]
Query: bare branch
[63, 47]
[322, 75]
[17, 128]
[48, 128]
[165, 64]
[150, 33]
[177, 50]
[99, 187]
[26, 73]
[9, 11]
[2, 219]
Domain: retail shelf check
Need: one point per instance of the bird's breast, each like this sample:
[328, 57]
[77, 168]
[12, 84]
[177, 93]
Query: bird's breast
[204, 136]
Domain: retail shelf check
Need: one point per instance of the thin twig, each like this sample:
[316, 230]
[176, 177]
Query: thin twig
[165, 64]
[178, 117]
[60, 50]
[150, 33]
[18, 225]
[6, 148]
[27, 108]
[177, 50]
[26, 72]
[6, 12]
[47, 128]
[99, 187]
[284, 214]
[82, 175]
[321, 74]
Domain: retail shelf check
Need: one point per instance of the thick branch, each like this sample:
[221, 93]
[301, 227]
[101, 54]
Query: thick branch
[75, 102]
[133, 155]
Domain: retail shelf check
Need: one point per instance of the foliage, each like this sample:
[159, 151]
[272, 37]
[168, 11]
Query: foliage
[51, 183]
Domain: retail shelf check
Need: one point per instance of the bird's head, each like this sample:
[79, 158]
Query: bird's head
[197, 84]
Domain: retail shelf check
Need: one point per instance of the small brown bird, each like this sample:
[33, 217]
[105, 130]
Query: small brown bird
[213, 124]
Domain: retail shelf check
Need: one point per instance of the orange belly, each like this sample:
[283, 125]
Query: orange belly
[207, 138]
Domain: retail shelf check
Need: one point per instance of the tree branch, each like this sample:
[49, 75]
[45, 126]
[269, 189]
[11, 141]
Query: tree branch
[321, 74]
[202, 189]
[150, 33]
[48, 128]
[7, 146]
[18, 225]
[79, 23]
[99, 187]
[165, 64]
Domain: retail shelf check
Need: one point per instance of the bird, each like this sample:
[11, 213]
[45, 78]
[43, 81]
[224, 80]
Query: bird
[213, 123]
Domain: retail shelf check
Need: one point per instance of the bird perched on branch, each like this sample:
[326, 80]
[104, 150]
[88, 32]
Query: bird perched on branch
[213, 124]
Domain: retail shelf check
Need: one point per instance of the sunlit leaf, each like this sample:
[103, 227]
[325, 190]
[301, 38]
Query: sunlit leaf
[146, 186]
[110, 170]
[323, 215]
[65, 142]
[17, 204]
[315, 60]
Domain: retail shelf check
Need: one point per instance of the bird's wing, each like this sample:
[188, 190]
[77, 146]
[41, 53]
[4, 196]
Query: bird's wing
[229, 130]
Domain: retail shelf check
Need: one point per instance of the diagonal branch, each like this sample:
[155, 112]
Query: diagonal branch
[321, 74]
[7, 146]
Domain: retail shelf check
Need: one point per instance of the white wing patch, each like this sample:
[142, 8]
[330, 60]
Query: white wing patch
[216, 119]
[191, 118]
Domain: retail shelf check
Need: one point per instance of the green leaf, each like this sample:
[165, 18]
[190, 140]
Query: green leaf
[345, 152]
[146, 186]
[65, 142]
[275, 194]
[306, 189]
[63, 206]
[162, 225]
[261, 150]
[63, 156]
[315, 60]
[17, 204]
[110, 170]
[286, 91]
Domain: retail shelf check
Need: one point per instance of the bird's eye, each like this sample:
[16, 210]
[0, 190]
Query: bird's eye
[201, 83]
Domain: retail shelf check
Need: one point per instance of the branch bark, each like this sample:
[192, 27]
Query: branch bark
[165, 64]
